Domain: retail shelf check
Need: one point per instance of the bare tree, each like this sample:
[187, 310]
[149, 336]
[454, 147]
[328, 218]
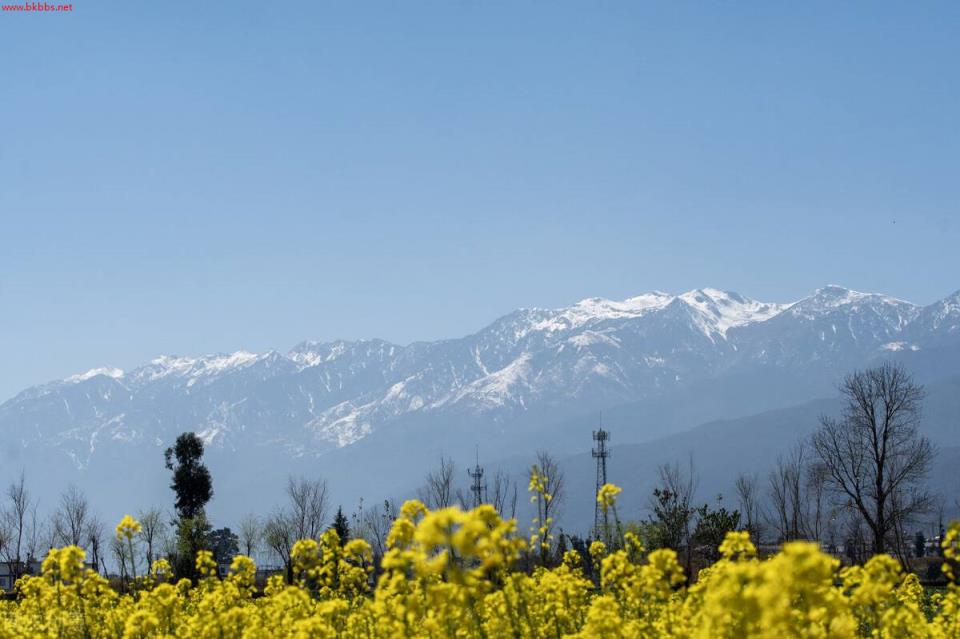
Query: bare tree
[874, 455]
[555, 481]
[278, 533]
[438, 491]
[38, 538]
[748, 495]
[93, 535]
[16, 523]
[375, 526]
[854, 541]
[788, 496]
[940, 509]
[152, 531]
[303, 518]
[504, 495]
[548, 478]
[70, 518]
[4, 537]
[797, 496]
[169, 545]
[307, 506]
[819, 510]
[251, 534]
[899, 542]
[121, 554]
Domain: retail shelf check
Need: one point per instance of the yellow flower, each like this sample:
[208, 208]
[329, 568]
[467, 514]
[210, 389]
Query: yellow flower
[465, 574]
[206, 566]
[951, 549]
[127, 528]
[161, 569]
[737, 544]
[607, 496]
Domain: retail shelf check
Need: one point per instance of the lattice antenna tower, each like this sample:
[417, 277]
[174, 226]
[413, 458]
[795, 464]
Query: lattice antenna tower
[600, 453]
[477, 485]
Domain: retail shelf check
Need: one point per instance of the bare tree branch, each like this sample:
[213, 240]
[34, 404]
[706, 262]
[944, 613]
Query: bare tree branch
[438, 491]
[874, 455]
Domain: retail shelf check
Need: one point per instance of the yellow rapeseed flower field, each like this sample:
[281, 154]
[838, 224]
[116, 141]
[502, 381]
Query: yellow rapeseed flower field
[448, 573]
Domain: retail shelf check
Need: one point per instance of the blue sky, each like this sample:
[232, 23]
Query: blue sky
[198, 177]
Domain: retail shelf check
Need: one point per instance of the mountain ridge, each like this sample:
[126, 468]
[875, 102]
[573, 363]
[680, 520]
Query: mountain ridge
[373, 416]
[321, 396]
[604, 308]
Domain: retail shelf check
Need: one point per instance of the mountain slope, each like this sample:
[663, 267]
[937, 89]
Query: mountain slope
[655, 364]
[722, 449]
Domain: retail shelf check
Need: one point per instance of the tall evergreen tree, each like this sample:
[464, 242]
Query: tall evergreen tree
[191, 479]
[341, 525]
[193, 488]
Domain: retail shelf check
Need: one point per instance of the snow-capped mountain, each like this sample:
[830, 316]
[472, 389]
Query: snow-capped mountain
[937, 323]
[528, 365]
[834, 325]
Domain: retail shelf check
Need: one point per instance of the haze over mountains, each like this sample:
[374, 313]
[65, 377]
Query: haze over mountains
[371, 416]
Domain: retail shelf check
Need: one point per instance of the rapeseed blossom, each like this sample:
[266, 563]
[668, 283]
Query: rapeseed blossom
[452, 574]
[127, 528]
[607, 496]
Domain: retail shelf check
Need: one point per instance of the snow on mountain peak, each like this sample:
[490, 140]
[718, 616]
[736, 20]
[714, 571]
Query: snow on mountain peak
[600, 308]
[196, 366]
[718, 310]
[114, 373]
[725, 310]
[833, 299]
[832, 296]
[220, 363]
[307, 354]
[653, 299]
[582, 325]
[942, 316]
[596, 350]
[948, 305]
[867, 315]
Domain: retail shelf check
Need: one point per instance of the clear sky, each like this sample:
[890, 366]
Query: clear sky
[193, 177]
